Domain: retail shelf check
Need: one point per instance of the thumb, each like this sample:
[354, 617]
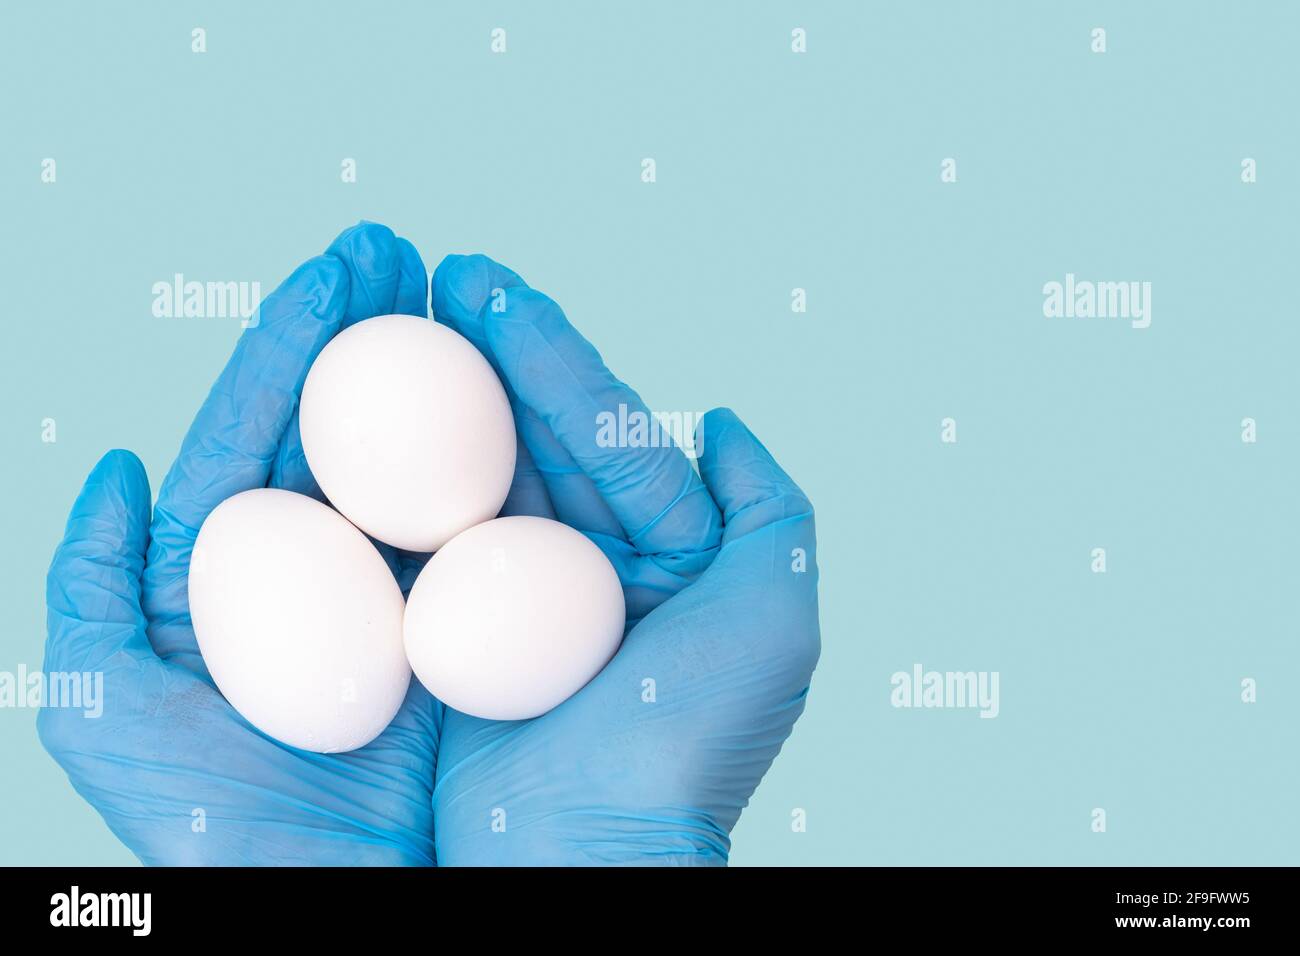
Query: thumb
[766, 571]
[92, 591]
[752, 490]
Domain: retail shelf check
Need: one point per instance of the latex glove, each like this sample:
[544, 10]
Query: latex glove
[721, 618]
[176, 773]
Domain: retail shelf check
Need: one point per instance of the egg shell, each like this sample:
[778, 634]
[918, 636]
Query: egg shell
[299, 620]
[512, 617]
[408, 431]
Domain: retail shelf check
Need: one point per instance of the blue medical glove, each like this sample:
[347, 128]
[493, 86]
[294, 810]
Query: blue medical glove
[654, 759]
[176, 773]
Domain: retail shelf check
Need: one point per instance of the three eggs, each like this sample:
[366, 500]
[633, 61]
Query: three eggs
[299, 618]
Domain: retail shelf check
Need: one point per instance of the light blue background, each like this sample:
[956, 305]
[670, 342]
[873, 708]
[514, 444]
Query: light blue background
[775, 171]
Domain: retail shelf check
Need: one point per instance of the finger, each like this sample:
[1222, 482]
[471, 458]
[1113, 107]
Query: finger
[762, 587]
[743, 477]
[651, 488]
[236, 435]
[462, 288]
[93, 586]
[386, 276]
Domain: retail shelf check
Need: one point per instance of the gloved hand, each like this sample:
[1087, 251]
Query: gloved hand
[177, 774]
[653, 760]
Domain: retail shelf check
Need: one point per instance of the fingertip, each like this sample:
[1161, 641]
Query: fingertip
[721, 427]
[742, 475]
[714, 421]
[136, 498]
[463, 284]
[370, 253]
[110, 517]
[122, 481]
[127, 465]
[369, 244]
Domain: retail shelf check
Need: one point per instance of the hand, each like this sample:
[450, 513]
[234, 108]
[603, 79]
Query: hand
[176, 773]
[721, 590]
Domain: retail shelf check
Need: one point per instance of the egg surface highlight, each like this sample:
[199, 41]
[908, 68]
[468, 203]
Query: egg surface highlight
[512, 617]
[299, 620]
[408, 431]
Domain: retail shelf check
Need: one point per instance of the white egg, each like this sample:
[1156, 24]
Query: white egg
[299, 620]
[512, 617]
[408, 431]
